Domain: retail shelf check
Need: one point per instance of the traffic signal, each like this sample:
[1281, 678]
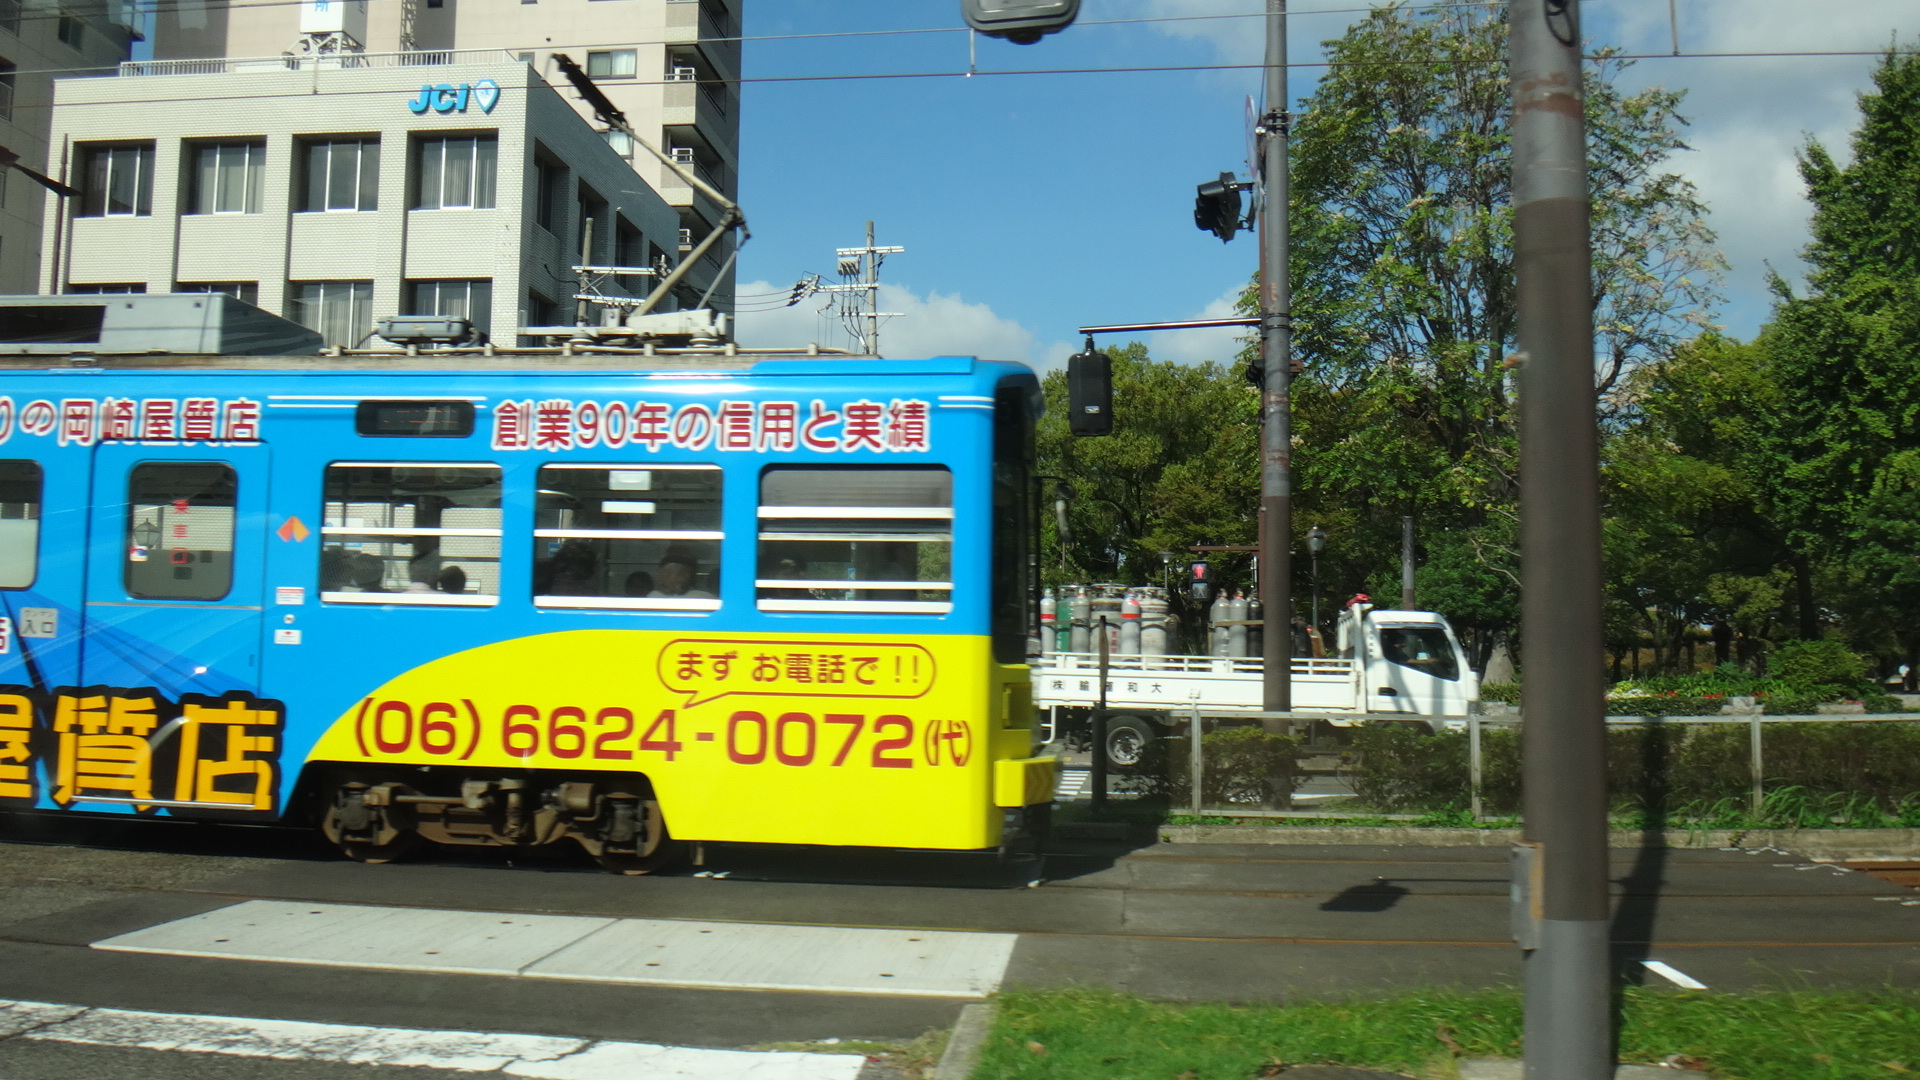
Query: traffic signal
[1020, 21]
[1217, 207]
[1090, 392]
[1199, 582]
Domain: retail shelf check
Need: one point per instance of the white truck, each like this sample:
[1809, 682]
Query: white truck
[1392, 665]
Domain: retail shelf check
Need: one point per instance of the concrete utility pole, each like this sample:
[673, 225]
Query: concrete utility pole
[1406, 563]
[861, 266]
[1563, 741]
[1276, 350]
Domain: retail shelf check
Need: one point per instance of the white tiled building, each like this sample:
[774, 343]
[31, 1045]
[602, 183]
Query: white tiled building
[337, 189]
[38, 41]
[673, 66]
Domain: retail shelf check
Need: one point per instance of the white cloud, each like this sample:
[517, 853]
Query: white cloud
[931, 325]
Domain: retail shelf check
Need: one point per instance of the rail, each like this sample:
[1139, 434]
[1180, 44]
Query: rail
[1198, 665]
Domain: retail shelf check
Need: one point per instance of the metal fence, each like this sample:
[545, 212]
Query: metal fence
[1205, 775]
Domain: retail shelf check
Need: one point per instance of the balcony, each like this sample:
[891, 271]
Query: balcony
[321, 62]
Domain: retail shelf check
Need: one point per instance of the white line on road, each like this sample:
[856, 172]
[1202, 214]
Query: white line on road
[1673, 975]
[657, 952]
[540, 1057]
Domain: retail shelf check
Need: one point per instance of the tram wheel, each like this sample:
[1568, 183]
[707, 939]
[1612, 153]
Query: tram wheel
[662, 851]
[374, 854]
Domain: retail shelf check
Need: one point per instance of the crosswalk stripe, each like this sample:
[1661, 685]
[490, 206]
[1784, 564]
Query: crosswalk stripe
[660, 952]
[541, 1057]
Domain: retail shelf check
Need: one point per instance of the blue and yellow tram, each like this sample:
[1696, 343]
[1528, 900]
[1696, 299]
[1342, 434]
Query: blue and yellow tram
[623, 601]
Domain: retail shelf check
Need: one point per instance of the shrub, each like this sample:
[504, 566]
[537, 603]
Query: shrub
[1245, 765]
[1863, 773]
[1809, 664]
[1508, 692]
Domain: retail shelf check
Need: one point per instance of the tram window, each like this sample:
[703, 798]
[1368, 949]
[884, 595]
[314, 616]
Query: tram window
[856, 540]
[416, 419]
[19, 523]
[411, 533]
[180, 530]
[617, 536]
[1013, 571]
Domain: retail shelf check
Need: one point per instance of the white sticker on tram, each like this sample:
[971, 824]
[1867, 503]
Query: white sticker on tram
[662, 952]
[545, 1057]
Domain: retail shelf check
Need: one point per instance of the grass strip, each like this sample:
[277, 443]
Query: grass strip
[1773, 1035]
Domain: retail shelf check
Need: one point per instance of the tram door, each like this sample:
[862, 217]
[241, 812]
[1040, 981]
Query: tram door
[176, 567]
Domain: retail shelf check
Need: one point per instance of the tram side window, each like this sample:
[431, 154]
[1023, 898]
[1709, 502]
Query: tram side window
[856, 540]
[180, 530]
[403, 533]
[19, 523]
[616, 536]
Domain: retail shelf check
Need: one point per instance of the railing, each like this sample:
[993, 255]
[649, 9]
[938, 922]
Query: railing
[318, 61]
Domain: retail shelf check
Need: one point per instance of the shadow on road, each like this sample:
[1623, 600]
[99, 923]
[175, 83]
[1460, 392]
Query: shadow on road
[1632, 930]
[1374, 896]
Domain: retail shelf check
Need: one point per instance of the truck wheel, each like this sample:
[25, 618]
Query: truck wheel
[1129, 741]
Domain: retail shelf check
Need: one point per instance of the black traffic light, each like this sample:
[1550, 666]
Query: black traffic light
[1090, 392]
[1216, 209]
[1199, 582]
[1020, 21]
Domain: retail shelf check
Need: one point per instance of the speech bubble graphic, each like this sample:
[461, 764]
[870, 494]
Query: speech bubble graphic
[706, 669]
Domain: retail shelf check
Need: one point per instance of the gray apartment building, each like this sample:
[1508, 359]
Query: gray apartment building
[673, 66]
[39, 40]
[334, 189]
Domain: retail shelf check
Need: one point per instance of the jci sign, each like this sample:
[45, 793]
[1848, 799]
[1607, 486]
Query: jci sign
[446, 98]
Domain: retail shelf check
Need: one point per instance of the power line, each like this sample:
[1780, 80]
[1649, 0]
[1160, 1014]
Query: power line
[1024, 72]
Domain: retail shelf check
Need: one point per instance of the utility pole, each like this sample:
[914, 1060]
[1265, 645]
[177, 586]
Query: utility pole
[1406, 563]
[860, 266]
[1562, 864]
[1276, 350]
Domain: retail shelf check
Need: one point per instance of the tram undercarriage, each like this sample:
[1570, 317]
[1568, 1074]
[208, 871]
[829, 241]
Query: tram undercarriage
[377, 819]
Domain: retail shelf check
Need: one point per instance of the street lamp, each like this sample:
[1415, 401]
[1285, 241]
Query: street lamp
[1316, 543]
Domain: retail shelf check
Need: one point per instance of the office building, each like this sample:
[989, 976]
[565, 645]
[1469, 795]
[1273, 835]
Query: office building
[37, 43]
[673, 66]
[337, 189]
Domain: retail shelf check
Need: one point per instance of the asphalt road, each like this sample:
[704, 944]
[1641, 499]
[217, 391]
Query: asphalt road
[1185, 922]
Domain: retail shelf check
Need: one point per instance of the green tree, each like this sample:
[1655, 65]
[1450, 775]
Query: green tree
[1181, 468]
[1843, 441]
[1403, 271]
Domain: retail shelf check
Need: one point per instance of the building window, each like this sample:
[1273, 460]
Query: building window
[856, 540]
[10, 16]
[342, 174]
[7, 68]
[469, 300]
[341, 312]
[456, 172]
[248, 291]
[411, 534]
[550, 196]
[107, 288]
[610, 536]
[180, 530]
[611, 64]
[228, 178]
[72, 30]
[19, 523]
[621, 142]
[118, 181]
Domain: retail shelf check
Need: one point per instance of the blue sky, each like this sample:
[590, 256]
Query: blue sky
[1032, 204]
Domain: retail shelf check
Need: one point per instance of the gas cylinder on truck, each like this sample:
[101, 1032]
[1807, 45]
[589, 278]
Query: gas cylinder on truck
[1216, 615]
[1048, 631]
[1256, 629]
[1081, 610]
[1153, 624]
[1130, 624]
[1237, 633]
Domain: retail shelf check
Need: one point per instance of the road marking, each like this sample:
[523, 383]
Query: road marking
[664, 952]
[543, 1057]
[1673, 975]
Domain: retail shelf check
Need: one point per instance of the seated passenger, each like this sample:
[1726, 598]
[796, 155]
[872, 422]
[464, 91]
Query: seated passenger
[679, 569]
